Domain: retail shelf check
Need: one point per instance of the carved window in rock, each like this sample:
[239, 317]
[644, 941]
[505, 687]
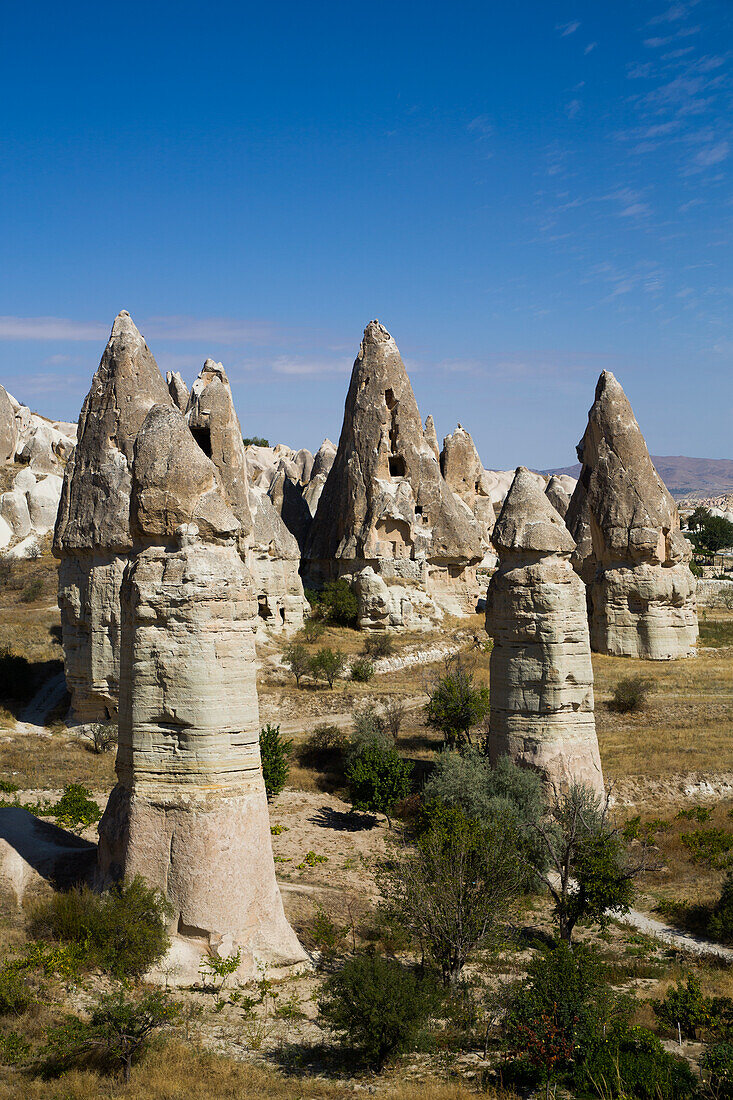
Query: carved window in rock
[395, 533]
[203, 438]
[397, 467]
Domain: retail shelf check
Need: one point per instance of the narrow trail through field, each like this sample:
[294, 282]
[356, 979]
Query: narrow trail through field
[683, 941]
[342, 719]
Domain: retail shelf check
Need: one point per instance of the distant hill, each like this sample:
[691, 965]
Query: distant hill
[683, 476]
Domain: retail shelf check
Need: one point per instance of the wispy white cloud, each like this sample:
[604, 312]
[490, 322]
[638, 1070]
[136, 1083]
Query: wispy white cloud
[713, 154]
[590, 47]
[298, 365]
[573, 108]
[214, 330]
[567, 28]
[51, 328]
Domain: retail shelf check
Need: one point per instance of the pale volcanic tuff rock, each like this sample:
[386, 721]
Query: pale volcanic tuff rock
[269, 550]
[557, 495]
[92, 537]
[189, 811]
[541, 673]
[630, 551]
[8, 429]
[178, 390]
[385, 505]
[463, 471]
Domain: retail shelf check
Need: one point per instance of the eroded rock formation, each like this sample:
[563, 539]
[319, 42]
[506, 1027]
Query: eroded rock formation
[630, 551]
[386, 520]
[92, 536]
[189, 811]
[464, 473]
[541, 674]
[268, 548]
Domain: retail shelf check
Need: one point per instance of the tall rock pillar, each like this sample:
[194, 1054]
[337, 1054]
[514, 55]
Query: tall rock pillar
[92, 537]
[541, 673]
[630, 551]
[189, 812]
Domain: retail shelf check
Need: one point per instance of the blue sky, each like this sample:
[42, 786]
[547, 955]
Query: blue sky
[524, 194]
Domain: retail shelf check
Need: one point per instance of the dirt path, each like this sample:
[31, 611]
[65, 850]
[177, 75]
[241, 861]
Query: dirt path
[342, 719]
[683, 941]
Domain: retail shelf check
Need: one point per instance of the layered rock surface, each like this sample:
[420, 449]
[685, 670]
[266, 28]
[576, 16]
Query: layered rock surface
[386, 519]
[630, 551]
[541, 674]
[189, 811]
[92, 537]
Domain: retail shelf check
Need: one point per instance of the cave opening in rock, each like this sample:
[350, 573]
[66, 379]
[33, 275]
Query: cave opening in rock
[203, 438]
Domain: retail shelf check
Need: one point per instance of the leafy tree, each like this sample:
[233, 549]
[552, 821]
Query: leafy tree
[717, 1065]
[716, 534]
[115, 1036]
[452, 890]
[99, 736]
[377, 778]
[274, 751]
[506, 792]
[377, 1005]
[327, 664]
[370, 725]
[255, 441]
[76, 807]
[585, 869]
[362, 670]
[684, 1006]
[720, 926]
[456, 703]
[336, 602]
[297, 658]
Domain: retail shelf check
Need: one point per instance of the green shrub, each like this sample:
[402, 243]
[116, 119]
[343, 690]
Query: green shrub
[116, 1035]
[457, 704]
[255, 441]
[717, 1066]
[99, 737]
[324, 748]
[16, 993]
[630, 1062]
[713, 847]
[14, 1049]
[6, 787]
[684, 1006]
[124, 931]
[75, 808]
[328, 664]
[312, 630]
[378, 645]
[32, 591]
[378, 1006]
[630, 694]
[720, 926]
[377, 778]
[274, 751]
[369, 725]
[339, 604]
[362, 670]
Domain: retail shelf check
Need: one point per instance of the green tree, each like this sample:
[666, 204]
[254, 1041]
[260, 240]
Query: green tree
[456, 703]
[328, 664]
[338, 603]
[585, 866]
[377, 778]
[716, 534]
[274, 751]
[115, 1036]
[378, 1006]
[454, 887]
[297, 658]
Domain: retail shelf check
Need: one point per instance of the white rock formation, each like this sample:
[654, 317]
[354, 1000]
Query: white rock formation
[189, 811]
[541, 673]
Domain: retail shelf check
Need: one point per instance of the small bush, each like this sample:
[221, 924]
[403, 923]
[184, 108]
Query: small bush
[16, 992]
[328, 664]
[255, 441]
[717, 1066]
[313, 629]
[325, 747]
[713, 847]
[14, 1049]
[369, 725]
[274, 751]
[6, 787]
[324, 933]
[362, 670]
[457, 703]
[76, 808]
[632, 1063]
[124, 931]
[116, 1035]
[686, 1007]
[377, 778]
[393, 715]
[32, 591]
[378, 1006]
[378, 645]
[630, 694]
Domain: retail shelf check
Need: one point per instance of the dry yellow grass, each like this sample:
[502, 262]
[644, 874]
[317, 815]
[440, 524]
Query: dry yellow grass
[179, 1072]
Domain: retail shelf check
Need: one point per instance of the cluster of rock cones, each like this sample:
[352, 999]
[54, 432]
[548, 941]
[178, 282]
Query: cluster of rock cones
[171, 554]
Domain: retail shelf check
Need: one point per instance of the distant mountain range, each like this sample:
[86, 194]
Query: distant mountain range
[702, 477]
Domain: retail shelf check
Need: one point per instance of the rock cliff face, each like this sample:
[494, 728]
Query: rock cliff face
[386, 520]
[92, 537]
[464, 473]
[268, 549]
[630, 552]
[189, 811]
[541, 674]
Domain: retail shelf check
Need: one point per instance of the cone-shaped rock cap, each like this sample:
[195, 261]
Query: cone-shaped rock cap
[528, 520]
[382, 456]
[174, 483]
[94, 508]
